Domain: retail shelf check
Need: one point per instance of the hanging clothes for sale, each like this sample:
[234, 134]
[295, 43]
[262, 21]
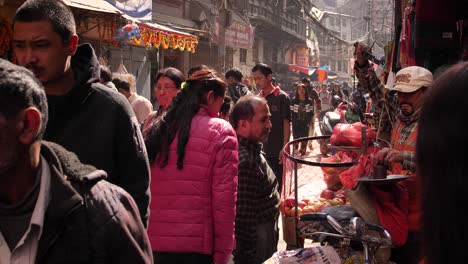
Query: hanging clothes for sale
[435, 32]
[407, 54]
[435, 23]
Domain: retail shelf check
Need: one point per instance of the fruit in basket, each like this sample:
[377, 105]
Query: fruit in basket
[309, 209]
[336, 201]
[325, 205]
[291, 211]
[327, 194]
[305, 200]
[341, 191]
[301, 204]
[290, 202]
[342, 196]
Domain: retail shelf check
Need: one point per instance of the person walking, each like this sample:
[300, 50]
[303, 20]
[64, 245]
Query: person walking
[141, 106]
[194, 161]
[258, 197]
[302, 112]
[325, 100]
[53, 208]
[279, 104]
[236, 89]
[313, 95]
[85, 117]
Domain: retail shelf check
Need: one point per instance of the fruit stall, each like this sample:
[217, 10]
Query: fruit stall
[315, 182]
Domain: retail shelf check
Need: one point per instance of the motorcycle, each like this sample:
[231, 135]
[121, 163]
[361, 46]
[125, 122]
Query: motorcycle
[344, 112]
[344, 231]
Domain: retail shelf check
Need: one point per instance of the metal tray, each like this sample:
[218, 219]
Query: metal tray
[391, 179]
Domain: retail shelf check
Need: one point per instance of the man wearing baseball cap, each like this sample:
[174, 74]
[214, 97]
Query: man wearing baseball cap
[410, 87]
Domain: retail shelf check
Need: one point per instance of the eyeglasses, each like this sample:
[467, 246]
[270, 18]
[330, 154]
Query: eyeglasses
[165, 89]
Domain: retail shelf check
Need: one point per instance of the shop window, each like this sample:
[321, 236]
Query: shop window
[243, 56]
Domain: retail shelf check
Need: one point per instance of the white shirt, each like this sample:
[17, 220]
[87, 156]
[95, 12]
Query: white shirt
[26, 249]
[141, 106]
[325, 99]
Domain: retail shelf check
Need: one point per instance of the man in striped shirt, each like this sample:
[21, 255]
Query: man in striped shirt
[257, 195]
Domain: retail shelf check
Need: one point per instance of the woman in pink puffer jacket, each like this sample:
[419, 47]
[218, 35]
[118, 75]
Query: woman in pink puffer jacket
[193, 157]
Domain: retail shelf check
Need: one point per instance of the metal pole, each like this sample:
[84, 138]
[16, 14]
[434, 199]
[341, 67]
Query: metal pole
[222, 39]
[296, 198]
[369, 31]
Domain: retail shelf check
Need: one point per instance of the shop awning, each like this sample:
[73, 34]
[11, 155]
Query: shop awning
[157, 36]
[304, 69]
[152, 34]
[93, 5]
[159, 27]
[104, 6]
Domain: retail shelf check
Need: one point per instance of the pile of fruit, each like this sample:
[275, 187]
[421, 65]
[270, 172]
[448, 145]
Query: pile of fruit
[306, 205]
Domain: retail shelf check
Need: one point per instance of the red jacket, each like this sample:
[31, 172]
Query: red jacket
[193, 210]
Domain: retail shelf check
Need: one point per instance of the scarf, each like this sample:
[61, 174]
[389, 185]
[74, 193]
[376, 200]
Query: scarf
[410, 119]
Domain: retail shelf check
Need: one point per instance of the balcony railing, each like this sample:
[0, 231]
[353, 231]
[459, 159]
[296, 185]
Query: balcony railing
[276, 16]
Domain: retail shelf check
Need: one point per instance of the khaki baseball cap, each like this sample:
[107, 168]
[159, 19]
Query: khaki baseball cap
[410, 79]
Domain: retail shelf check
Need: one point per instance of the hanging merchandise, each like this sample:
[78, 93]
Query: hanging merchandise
[407, 55]
[5, 39]
[129, 33]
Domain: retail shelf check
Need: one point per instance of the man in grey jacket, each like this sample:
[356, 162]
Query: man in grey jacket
[85, 117]
[53, 208]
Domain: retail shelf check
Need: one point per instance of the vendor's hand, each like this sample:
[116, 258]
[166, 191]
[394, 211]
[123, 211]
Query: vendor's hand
[387, 156]
[359, 51]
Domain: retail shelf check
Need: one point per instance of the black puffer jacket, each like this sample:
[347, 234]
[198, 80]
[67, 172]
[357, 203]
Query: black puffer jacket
[237, 90]
[88, 220]
[99, 126]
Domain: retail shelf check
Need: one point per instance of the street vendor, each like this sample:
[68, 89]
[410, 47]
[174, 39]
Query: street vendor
[410, 87]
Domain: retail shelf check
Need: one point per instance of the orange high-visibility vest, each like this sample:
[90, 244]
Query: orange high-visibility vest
[412, 183]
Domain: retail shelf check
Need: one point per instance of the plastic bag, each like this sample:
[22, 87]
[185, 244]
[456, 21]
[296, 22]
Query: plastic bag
[349, 177]
[350, 135]
[331, 175]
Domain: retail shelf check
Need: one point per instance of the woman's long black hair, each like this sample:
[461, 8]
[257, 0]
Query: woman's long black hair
[296, 93]
[178, 118]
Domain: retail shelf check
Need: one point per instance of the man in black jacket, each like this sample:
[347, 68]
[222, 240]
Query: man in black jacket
[53, 208]
[236, 89]
[98, 125]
